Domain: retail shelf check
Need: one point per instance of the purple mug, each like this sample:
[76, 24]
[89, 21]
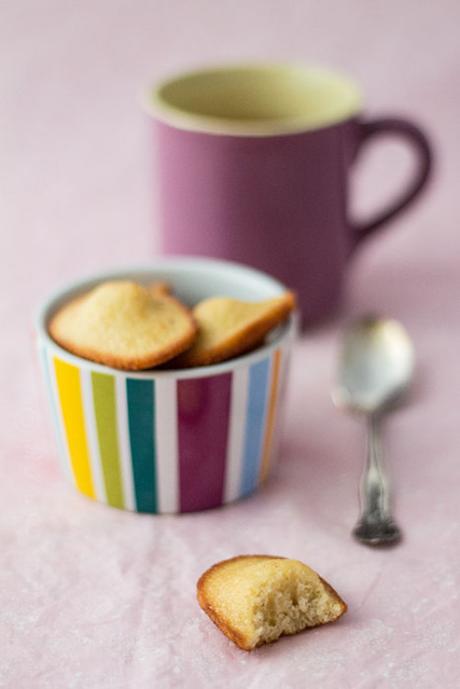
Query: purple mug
[254, 165]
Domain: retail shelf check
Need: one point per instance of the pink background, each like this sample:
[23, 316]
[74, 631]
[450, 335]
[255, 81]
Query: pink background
[91, 597]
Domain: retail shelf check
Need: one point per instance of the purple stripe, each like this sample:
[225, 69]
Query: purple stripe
[204, 409]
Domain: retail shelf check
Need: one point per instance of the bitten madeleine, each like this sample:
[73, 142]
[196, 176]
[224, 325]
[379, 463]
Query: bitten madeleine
[229, 327]
[255, 599]
[121, 324]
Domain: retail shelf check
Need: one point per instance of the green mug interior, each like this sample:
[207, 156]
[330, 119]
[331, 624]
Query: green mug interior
[261, 99]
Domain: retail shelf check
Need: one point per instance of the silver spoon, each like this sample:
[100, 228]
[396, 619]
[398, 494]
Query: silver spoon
[376, 367]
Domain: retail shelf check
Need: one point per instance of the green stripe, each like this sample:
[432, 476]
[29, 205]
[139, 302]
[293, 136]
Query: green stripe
[106, 424]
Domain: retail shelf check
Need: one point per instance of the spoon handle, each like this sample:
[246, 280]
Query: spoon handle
[375, 525]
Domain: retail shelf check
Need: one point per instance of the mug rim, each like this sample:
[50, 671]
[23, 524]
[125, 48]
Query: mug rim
[69, 289]
[157, 106]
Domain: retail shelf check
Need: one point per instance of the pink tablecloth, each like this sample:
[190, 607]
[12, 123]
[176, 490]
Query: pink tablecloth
[91, 597]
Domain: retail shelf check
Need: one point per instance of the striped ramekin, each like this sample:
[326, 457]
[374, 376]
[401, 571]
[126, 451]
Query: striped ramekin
[170, 441]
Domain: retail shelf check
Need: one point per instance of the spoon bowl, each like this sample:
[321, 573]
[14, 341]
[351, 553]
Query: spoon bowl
[376, 365]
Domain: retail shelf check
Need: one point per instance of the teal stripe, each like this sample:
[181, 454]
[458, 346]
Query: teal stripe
[141, 409]
[255, 424]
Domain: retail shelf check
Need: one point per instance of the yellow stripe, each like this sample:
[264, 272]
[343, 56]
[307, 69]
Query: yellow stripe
[69, 388]
[265, 464]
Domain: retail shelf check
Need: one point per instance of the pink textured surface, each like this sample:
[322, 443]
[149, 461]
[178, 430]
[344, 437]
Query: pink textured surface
[91, 597]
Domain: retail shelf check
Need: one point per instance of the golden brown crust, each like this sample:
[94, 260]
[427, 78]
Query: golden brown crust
[202, 580]
[233, 634]
[153, 358]
[245, 340]
[160, 288]
[229, 631]
[335, 595]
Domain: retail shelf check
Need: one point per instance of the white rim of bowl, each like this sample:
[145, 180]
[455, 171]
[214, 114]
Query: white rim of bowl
[68, 290]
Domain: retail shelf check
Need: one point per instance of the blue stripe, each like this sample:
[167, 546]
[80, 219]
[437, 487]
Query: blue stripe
[255, 424]
[56, 420]
[141, 409]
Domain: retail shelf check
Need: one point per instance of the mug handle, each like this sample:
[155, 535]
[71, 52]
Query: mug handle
[409, 132]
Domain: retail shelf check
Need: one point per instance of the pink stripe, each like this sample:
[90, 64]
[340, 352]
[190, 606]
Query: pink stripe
[204, 409]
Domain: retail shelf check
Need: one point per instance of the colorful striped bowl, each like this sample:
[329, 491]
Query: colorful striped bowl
[170, 441]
